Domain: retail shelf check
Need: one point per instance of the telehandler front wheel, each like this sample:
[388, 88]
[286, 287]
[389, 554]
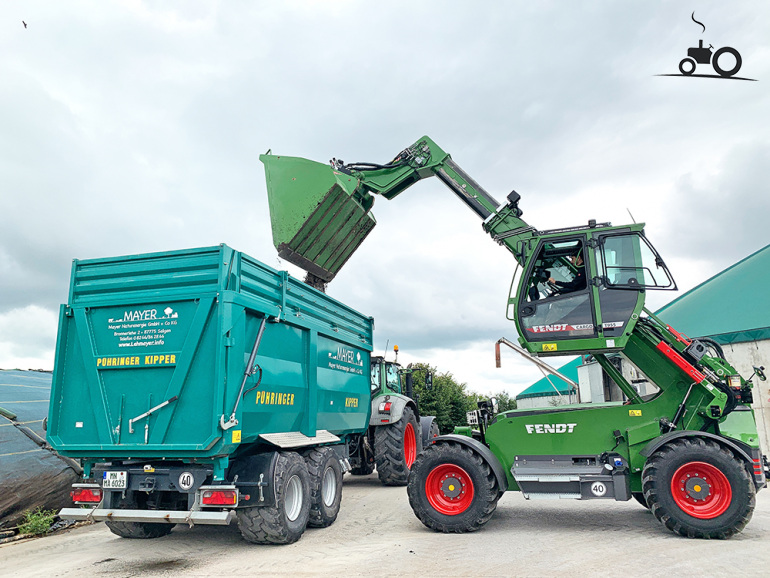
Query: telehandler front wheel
[698, 489]
[396, 446]
[452, 489]
[325, 486]
[285, 522]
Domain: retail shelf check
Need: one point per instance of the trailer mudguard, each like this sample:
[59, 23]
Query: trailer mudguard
[253, 476]
[485, 453]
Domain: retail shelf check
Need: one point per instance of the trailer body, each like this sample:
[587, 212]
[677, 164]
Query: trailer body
[188, 370]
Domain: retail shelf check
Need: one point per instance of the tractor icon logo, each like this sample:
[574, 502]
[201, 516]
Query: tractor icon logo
[725, 61]
[701, 55]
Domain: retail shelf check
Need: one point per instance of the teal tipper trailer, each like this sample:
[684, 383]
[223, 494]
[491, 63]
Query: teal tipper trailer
[200, 383]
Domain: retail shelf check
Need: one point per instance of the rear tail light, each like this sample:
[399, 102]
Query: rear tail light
[86, 495]
[219, 498]
[385, 406]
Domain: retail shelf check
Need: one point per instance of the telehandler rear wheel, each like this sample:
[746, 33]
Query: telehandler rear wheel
[285, 522]
[396, 446]
[699, 489]
[452, 489]
[325, 486]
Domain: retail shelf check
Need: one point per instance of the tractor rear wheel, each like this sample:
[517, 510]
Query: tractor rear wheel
[452, 489]
[325, 486]
[699, 489]
[285, 522]
[396, 446]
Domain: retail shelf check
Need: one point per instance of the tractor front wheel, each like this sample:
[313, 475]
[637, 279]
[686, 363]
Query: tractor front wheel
[396, 446]
[699, 489]
[452, 489]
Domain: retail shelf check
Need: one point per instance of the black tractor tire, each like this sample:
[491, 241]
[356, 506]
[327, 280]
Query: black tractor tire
[396, 446]
[699, 489]
[285, 522]
[363, 470]
[140, 530]
[639, 497]
[434, 431]
[325, 486]
[736, 67]
[452, 489]
[689, 69]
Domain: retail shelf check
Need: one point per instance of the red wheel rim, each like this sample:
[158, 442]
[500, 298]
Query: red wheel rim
[410, 445]
[449, 489]
[701, 490]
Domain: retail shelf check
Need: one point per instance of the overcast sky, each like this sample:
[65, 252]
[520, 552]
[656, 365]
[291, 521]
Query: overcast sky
[128, 127]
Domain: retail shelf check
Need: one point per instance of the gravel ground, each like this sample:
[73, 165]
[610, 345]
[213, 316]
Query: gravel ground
[376, 534]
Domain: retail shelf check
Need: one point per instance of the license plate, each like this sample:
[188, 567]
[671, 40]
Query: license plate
[115, 480]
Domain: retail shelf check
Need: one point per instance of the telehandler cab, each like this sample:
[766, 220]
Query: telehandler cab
[689, 451]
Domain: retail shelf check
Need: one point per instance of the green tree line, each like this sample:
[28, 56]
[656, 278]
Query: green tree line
[448, 399]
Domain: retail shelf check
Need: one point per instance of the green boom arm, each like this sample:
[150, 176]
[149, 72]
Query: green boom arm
[321, 214]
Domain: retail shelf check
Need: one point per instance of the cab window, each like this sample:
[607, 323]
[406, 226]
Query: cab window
[630, 262]
[375, 376]
[556, 303]
[392, 378]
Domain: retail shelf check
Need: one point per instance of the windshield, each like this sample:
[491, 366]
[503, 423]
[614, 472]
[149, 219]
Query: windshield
[630, 262]
[391, 376]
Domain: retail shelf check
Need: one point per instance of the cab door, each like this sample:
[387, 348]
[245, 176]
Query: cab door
[555, 300]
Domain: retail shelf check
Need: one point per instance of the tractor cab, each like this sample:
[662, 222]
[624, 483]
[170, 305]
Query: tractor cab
[582, 289]
[386, 376]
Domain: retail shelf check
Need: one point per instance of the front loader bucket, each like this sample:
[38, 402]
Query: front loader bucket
[317, 219]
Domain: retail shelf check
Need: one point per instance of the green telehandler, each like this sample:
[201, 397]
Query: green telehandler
[689, 451]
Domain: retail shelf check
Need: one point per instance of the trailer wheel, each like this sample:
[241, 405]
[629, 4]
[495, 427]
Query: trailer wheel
[325, 486]
[285, 522]
[138, 530]
[699, 489]
[396, 447]
[452, 489]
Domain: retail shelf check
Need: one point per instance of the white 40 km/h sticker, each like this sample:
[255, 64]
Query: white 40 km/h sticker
[186, 481]
[598, 489]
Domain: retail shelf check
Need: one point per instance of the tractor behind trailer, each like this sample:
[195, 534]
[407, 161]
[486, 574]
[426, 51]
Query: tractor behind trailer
[201, 385]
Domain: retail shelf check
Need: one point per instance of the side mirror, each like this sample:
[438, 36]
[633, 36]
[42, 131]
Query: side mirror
[495, 404]
[760, 372]
[429, 381]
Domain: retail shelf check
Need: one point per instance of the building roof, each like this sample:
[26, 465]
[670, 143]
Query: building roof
[731, 307]
[545, 388]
